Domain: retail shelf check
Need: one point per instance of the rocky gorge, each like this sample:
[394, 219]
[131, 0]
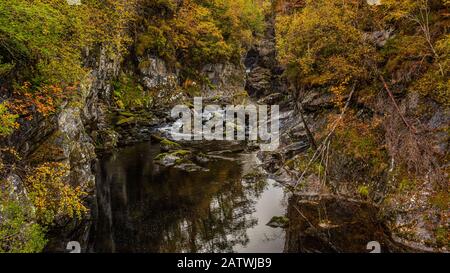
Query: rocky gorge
[326, 206]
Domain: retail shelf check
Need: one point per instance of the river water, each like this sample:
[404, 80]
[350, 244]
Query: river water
[143, 207]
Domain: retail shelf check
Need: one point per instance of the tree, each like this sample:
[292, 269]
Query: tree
[323, 45]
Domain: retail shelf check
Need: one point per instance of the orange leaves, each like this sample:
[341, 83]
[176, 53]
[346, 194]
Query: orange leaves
[341, 92]
[44, 100]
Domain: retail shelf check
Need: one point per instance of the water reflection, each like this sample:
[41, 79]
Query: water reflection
[145, 208]
[333, 225]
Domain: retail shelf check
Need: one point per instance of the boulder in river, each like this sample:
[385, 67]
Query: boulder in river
[168, 145]
[279, 222]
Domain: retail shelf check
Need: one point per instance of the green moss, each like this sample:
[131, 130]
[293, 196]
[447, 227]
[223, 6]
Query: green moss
[441, 201]
[182, 161]
[170, 143]
[443, 237]
[129, 94]
[406, 184]
[290, 163]
[279, 221]
[181, 153]
[126, 120]
[364, 191]
[161, 156]
[127, 114]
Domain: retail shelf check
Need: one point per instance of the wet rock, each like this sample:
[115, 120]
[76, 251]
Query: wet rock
[106, 68]
[107, 139]
[180, 159]
[380, 38]
[167, 160]
[317, 100]
[202, 158]
[155, 73]
[271, 161]
[264, 73]
[259, 82]
[279, 222]
[173, 158]
[283, 177]
[133, 127]
[163, 81]
[226, 80]
[69, 143]
[295, 133]
[254, 177]
[295, 149]
[168, 145]
[271, 99]
[191, 167]
[16, 188]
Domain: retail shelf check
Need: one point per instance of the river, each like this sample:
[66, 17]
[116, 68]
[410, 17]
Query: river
[143, 207]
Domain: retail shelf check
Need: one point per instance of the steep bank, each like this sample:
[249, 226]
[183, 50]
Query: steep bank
[359, 142]
[364, 117]
[121, 66]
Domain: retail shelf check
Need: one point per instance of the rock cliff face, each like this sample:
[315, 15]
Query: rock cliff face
[264, 73]
[68, 137]
[226, 80]
[410, 219]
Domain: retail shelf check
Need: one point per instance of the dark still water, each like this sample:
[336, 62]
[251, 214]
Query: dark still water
[143, 207]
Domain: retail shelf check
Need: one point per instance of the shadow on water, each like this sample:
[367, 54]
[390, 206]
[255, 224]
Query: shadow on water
[328, 224]
[143, 207]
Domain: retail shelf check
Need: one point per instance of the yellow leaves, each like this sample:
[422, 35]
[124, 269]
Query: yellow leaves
[199, 32]
[322, 44]
[51, 194]
[340, 93]
[7, 120]
[399, 9]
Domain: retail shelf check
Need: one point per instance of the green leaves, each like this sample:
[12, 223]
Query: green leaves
[40, 36]
[18, 231]
[44, 38]
[7, 120]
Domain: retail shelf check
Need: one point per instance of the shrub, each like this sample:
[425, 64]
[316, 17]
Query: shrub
[19, 233]
[323, 44]
[7, 120]
[51, 196]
